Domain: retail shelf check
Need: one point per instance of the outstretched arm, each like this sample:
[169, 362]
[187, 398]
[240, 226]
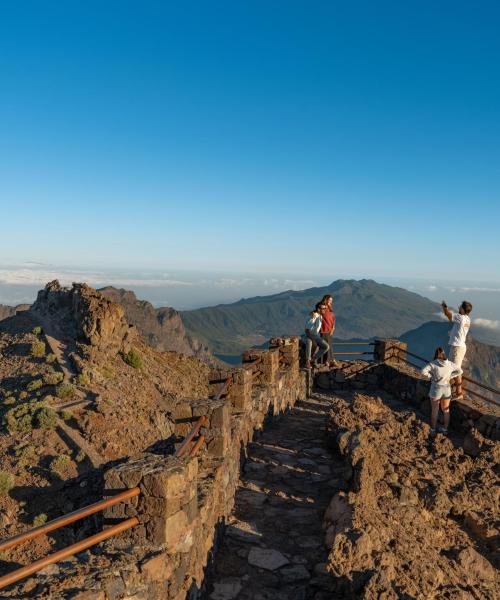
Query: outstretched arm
[447, 311]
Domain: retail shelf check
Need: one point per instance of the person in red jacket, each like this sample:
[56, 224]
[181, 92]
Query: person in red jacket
[328, 327]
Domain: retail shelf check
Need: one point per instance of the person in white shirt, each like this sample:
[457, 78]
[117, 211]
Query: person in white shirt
[440, 371]
[313, 337]
[458, 335]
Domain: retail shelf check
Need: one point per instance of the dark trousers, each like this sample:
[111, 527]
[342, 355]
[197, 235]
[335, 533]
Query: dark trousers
[328, 337]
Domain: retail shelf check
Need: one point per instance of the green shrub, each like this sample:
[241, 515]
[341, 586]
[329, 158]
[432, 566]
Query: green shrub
[60, 464]
[133, 358]
[80, 456]
[40, 519]
[66, 414]
[19, 419]
[81, 379]
[50, 358]
[53, 378]
[26, 416]
[25, 454]
[65, 390]
[23, 395]
[38, 349]
[36, 384]
[45, 418]
[37, 330]
[9, 400]
[6, 482]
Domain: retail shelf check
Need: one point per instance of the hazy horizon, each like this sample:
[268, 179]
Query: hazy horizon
[186, 290]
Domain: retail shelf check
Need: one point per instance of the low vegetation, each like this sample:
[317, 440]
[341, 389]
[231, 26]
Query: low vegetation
[59, 465]
[28, 416]
[53, 378]
[65, 390]
[34, 385]
[81, 379]
[40, 519]
[38, 349]
[45, 418]
[37, 330]
[6, 482]
[133, 358]
[50, 358]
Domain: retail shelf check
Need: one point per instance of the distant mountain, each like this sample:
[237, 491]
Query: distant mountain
[162, 328]
[364, 309]
[482, 361]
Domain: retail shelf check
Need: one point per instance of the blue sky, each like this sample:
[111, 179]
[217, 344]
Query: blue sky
[306, 138]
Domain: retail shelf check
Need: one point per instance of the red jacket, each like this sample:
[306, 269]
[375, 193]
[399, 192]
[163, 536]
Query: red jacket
[328, 319]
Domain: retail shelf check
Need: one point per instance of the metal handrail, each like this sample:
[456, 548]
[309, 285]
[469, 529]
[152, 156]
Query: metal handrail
[353, 343]
[182, 449]
[464, 377]
[71, 517]
[351, 353]
[23, 572]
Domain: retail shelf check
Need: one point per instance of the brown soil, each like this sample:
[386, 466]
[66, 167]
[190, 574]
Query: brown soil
[421, 517]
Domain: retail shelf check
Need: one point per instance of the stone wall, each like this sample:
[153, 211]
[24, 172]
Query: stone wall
[389, 372]
[184, 501]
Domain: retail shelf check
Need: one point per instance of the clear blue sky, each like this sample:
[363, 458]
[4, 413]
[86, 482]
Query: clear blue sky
[342, 137]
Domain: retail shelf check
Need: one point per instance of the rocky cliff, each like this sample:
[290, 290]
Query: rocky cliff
[162, 328]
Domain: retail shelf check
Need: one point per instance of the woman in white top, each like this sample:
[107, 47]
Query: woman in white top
[440, 371]
[313, 337]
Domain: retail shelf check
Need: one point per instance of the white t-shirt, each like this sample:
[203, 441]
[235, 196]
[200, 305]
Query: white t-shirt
[314, 323]
[461, 324]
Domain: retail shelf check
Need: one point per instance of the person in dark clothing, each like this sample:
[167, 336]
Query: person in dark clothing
[328, 320]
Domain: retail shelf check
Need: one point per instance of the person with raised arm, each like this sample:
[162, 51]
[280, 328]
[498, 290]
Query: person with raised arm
[458, 335]
[440, 371]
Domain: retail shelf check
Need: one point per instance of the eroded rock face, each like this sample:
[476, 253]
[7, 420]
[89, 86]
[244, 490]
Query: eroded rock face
[421, 517]
[162, 328]
[84, 313]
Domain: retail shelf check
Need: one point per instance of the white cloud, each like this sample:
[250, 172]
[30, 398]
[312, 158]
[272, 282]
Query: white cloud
[478, 289]
[41, 277]
[488, 323]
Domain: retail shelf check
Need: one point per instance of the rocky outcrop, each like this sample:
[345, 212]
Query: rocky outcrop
[83, 313]
[10, 311]
[420, 517]
[162, 328]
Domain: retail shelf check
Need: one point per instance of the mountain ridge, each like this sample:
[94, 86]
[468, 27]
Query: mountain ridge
[364, 309]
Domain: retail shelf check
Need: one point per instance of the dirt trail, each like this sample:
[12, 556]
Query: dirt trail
[273, 547]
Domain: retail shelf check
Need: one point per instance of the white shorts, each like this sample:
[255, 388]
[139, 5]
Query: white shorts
[457, 354]
[440, 392]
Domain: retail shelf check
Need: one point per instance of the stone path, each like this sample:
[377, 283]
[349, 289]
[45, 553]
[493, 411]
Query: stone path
[273, 545]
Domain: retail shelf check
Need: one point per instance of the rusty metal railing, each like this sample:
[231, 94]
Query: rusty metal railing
[184, 447]
[55, 524]
[464, 378]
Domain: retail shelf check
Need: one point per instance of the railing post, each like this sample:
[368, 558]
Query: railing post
[389, 351]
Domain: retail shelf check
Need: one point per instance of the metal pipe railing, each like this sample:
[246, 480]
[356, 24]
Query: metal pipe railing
[474, 393]
[464, 377]
[23, 572]
[351, 353]
[197, 445]
[353, 343]
[69, 518]
[189, 438]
